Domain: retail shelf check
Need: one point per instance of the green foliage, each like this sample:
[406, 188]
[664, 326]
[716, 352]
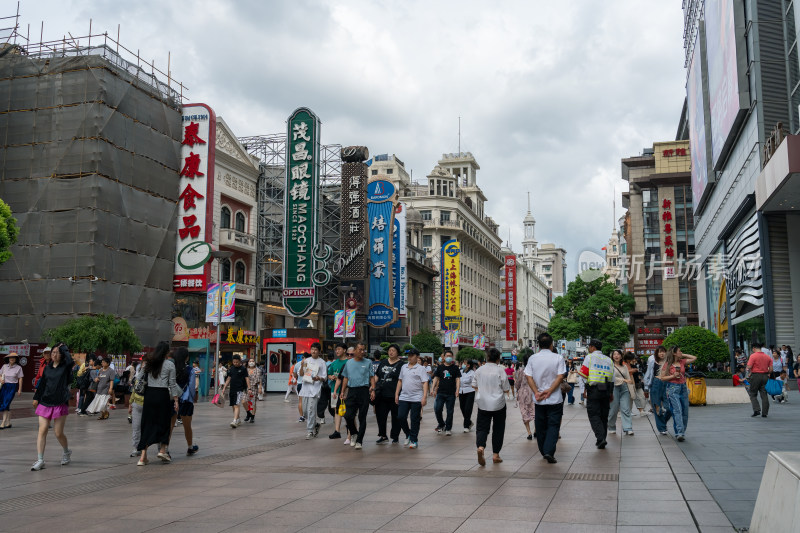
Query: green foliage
[427, 342]
[592, 309]
[101, 333]
[718, 375]
[406, 347]
[8, 231]
[468, 352]
[704, 344]
[525, 352]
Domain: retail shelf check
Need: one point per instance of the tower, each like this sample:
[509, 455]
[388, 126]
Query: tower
[529, 244]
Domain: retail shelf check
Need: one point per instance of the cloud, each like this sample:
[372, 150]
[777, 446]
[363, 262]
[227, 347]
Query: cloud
[551, 95]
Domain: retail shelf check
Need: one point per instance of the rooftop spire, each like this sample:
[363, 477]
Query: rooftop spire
[529, 201]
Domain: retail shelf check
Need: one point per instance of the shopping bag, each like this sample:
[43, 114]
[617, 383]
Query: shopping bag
[217, 400]
[341, 409]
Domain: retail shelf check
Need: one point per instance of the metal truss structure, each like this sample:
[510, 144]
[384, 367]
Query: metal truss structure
[271, 152]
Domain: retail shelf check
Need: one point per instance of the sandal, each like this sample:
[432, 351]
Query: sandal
[143, 463]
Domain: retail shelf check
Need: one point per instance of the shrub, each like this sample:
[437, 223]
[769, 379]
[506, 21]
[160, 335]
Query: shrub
[704, 344]
[469, 352]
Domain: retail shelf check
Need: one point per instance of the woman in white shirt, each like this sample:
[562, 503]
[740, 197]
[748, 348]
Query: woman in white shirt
[466, 394]
[491, 384]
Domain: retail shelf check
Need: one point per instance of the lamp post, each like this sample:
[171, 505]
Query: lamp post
[219, 256]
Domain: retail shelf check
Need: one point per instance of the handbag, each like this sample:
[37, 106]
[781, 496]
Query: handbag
[565, 388]
[572, 378]
[140, 385]
[774, 387]
[217, 400]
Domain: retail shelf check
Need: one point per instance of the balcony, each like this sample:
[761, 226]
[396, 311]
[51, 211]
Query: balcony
[237, 240]
[441, 223]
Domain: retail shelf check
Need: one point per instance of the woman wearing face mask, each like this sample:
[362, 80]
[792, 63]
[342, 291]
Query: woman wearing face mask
[254, 391]
[466, 397]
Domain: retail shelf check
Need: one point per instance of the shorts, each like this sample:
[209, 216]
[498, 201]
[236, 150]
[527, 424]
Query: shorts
[299, 388]
[185, 408]
[236, 398]
[51, 413]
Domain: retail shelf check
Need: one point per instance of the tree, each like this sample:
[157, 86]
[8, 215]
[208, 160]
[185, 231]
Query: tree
[706, 345]
[101, 333]
[592, 309]
[468, 352]
[427, 342]
[8, 231]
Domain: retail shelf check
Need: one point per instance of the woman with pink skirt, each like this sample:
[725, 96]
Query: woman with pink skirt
[51, 401]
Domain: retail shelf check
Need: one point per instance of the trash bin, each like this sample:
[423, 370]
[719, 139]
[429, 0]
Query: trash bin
[696, 383]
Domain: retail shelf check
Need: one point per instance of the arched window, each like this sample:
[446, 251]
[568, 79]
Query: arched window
[226, 270]
[240, 272]
[225, 218]
[240, 221]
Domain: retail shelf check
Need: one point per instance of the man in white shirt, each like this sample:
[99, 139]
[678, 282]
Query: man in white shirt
[545, 372]
[491, 384]
[313, 372]
[410, 396]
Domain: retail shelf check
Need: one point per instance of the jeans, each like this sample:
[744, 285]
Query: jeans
[497, 421]
[658, 399]
[597, 407]
[620, 403]
[383, 406]
[310, 412]
[758, 382]
[678, 396]
[442, 400]
[548, 424]
[466, 401]
[357, 403]
[570, 394]
[404, 408]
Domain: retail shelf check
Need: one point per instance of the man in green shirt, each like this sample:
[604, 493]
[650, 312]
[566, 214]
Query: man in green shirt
[335, 382]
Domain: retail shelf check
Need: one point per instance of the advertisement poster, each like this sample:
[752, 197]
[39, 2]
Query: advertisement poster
[451, 289]
[339, 324]
[228, 302]
[695, 103]
[380, 216]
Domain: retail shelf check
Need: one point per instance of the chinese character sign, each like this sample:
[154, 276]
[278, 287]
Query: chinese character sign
[380, 218]
[451, 285]
[353, 259]
[511, 297]
[228, 302]
[666, 217]
[195, 198]
[301, 207]
[400, 261]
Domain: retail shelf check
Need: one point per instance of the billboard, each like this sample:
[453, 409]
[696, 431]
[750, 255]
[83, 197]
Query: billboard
[511, 297]
[696, 107]
[301, 205]
[400, 260]
[451, 285]
[380, 217]
[228, 302]
[353, 260]
[727, 88]
[195, 202]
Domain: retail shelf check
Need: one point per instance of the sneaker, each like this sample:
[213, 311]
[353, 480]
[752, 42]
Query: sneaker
[663, 432]
[602, 444]
[286, 401]
[629, 433]
[681, 438]
[66, 457]
[382, 440]
[335, 435]
[238, 422]
[192, 450]
[529, 437]
[301, 419]
[353, 442]
[755, 413]
[407, 442]
[309, 436]
[612, 431]
[448, 433]
[165, 457]
[550, 459]
[85, 414]
[179, 422]
[413, 446]
[395, 441]
[233, 424]
[346, 441]
[466, 430]
[439, 431]
[764, 416]
[130, 419]
[358, 446]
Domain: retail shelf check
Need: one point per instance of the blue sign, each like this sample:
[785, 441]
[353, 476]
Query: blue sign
[278, 333]
[380, 219]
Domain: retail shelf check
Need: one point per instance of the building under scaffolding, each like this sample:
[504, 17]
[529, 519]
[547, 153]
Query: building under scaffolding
[89, 162]
[271, 151]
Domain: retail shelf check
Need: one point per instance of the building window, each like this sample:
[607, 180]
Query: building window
[225, 218]
[226, 269]
[427, 241]
[445, 215]
[390, 171]
[614, 248]
[374, 171]
[240, 272]
[426, 214]
[240, 222]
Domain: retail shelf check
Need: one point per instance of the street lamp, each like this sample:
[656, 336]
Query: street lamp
[219, 256]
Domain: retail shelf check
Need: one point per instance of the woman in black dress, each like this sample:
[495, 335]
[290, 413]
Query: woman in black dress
[160, 401]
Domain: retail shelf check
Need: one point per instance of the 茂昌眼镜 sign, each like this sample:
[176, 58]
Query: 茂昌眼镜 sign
[301, 207]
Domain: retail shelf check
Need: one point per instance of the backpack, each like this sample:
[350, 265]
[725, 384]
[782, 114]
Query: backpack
[84, 381]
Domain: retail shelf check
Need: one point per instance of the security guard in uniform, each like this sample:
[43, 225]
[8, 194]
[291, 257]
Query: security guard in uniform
[597, 369]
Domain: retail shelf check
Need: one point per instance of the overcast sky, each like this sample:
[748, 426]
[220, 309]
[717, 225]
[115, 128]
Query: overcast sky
[551, 94]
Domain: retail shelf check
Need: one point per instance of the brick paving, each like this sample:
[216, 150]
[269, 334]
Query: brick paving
[267, 477]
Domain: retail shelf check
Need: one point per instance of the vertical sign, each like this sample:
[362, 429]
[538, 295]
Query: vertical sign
[400, 260]
[450, 285]
[353, 260]
[503, 300]
[228, 302]
[196, 199]
[339, 323]
[300, 215]
[380, 213]
[511, 297]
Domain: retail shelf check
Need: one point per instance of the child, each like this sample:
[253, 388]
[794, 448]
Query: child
[783, 397]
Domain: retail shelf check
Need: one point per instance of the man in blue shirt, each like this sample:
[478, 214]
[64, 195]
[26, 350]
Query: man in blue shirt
[358, 387]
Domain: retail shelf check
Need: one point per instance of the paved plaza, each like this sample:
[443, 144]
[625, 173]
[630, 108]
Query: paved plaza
[267, 477]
